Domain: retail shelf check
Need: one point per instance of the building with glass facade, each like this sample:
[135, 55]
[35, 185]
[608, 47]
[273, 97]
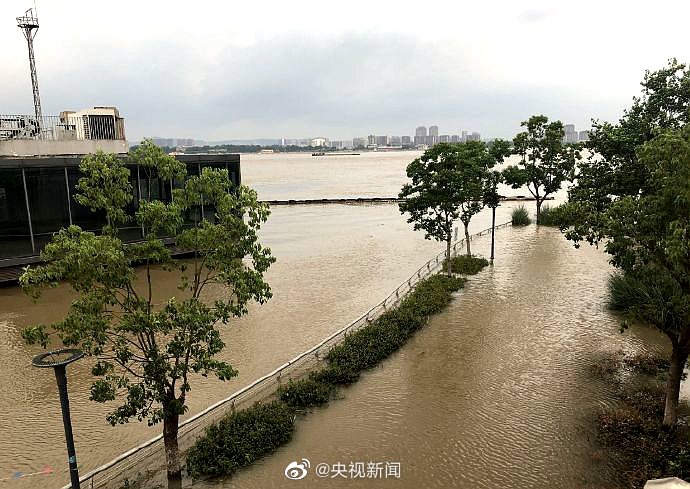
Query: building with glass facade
[37, 199]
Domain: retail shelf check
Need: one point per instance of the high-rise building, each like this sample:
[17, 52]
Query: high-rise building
[406, 141]
[394, 140]
[464, 136]
[455, 138]
[371, 140]
[444, 138]
[420, 135]
[163, 142]
[433, 131]
[359, 142]
[337, 144]
[571, 135]
[583, 136]
[381, 140]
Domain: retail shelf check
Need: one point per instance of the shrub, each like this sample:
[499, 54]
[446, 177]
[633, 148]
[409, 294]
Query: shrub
[336, 375]
[467, 265]
[305, 393]
[552, 216]
[624, 292]
[520, 217]
[241, 438]
[432, 295]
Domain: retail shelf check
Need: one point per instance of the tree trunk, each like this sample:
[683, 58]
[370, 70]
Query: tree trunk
[675, 374]
[467, 240]
[448, 264]
[172, 452]
[539, 202]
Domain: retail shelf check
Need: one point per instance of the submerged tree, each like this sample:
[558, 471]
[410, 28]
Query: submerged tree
[146, 350]
[632, 194]
[449, 182]
[545, 161]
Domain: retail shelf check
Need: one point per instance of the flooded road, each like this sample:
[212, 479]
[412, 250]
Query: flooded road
[334, 262]
[494, 392]
[493, 356]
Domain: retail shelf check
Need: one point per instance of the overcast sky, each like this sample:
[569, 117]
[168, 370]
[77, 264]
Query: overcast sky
[230, 70]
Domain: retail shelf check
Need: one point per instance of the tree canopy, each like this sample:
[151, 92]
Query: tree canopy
[146, 351]
[633, 195]
[449, 182]
[545, 161]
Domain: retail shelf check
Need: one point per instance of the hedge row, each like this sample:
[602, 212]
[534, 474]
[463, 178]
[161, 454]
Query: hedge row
[466, 265]
[242, 437]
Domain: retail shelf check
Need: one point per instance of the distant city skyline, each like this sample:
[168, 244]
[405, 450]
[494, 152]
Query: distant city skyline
[423, 136]
[285, 72]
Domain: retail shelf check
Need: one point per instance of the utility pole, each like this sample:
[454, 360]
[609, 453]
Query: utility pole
[28, 23]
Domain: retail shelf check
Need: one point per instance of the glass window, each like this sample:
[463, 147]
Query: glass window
[47, 201]
[15, 239]
[82, 216]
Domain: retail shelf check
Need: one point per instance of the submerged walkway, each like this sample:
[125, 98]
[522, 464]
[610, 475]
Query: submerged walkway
[364, 200]
[492, 392]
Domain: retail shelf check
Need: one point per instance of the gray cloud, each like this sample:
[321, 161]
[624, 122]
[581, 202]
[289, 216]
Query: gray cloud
[295, 86]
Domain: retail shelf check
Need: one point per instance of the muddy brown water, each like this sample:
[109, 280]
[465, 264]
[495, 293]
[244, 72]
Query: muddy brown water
[495, 391]
[470, 398]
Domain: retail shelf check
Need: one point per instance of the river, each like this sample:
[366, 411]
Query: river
[477, 385]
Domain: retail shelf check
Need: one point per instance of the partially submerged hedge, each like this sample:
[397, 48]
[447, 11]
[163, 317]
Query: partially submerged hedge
[466, 265]
[552, 216]
[241, 438]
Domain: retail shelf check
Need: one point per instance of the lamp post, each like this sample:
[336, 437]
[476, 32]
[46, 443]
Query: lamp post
[58, 360]
[493, 231]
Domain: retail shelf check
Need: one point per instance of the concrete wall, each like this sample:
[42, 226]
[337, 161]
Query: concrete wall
[31, 147]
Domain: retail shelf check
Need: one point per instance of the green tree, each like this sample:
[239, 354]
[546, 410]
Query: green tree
[630, 195]
[449, 182]
[648, 238]
[545, 161]
[145, 352]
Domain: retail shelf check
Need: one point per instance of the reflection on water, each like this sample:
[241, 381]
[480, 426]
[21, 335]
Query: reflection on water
[493, 392]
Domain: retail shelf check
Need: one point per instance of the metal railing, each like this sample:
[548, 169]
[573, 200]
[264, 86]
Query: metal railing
[147, 461]
[61, 128]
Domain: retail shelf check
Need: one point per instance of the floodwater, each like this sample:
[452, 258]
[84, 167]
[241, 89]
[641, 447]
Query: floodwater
[471, 394]
[493, 392]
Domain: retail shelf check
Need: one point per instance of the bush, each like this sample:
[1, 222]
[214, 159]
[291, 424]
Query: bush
[552, 216]
[466, 265]
[520, 217]
[625, 292]
[369, 345]
[305, 393]
[335, 375]
[432, 295]
[241, 438]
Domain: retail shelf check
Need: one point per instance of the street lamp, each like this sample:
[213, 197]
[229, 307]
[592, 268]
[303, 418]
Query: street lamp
[58, 360]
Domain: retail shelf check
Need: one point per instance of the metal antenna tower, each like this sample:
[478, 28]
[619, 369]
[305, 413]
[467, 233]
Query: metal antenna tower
[28, 23]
